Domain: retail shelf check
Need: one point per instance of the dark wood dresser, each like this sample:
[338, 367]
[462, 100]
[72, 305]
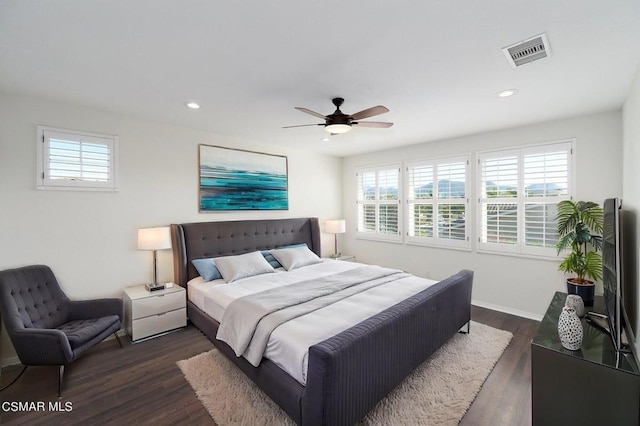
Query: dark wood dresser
[591, 386]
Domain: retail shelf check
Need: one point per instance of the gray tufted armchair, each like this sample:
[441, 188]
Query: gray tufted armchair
[45, 327]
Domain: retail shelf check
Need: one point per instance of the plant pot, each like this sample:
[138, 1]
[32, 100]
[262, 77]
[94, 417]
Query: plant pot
[585, 291]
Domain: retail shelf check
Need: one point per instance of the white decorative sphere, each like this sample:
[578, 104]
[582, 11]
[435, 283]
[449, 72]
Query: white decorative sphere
[574, 301]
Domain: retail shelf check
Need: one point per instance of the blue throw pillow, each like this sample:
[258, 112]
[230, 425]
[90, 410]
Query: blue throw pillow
[272, 260]
[207, 269]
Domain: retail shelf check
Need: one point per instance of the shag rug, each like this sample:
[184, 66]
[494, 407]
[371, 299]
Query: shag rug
[438, 392]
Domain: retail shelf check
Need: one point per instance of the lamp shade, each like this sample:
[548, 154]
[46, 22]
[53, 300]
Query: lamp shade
[338, 226]
[154, 238]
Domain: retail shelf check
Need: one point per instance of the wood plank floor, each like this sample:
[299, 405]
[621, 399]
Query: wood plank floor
[141, 384]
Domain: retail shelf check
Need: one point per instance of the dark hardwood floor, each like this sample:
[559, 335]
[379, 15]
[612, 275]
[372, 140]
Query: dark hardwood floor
[141, 384]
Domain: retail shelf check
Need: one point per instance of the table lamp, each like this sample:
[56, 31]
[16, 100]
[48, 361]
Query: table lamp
[154, 239]
[338, 226]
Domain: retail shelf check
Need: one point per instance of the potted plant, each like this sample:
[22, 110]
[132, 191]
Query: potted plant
[579, 224]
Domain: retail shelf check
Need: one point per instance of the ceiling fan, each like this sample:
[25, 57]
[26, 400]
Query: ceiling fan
[339, 122]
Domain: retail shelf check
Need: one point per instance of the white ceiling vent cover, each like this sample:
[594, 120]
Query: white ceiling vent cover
[528, 51]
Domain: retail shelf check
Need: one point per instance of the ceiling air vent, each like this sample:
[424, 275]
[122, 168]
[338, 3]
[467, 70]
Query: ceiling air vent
[528, 51]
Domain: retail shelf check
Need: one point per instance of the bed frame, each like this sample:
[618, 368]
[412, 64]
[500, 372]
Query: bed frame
[351, 371]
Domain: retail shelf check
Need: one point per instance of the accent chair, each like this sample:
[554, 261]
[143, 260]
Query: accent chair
[45, 326]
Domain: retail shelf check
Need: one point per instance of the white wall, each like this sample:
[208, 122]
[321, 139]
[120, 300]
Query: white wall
[631, 185]
[518, 285]
[89, 238]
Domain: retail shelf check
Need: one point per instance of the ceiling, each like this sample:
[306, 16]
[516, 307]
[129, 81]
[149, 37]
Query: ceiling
[437, 65]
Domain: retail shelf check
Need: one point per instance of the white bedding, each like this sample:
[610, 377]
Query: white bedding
[289, 343]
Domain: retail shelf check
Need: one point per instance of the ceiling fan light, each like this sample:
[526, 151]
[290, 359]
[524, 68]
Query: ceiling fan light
[337, 128]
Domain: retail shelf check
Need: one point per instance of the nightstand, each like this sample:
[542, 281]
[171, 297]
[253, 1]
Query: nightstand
[150, 314]
[345, 257]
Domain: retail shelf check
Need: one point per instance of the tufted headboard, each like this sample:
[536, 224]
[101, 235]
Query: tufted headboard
[212, 239]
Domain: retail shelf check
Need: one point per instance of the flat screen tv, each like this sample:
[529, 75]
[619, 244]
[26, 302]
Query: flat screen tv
[613, 279]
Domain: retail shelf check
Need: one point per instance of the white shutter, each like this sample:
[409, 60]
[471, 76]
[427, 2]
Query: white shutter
[451, 201]
[547, 180]
[388, 187]
[420, 189]
[437, 200]
[378, 203]
[499, 181]
[519, 192]
[76, 160]
[546, 171]
[366, 201]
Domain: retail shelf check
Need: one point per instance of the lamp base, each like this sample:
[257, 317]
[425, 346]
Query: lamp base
[335, 255]
[154, 287]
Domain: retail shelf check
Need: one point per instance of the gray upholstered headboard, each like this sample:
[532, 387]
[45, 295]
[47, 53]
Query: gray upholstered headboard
[212, 239]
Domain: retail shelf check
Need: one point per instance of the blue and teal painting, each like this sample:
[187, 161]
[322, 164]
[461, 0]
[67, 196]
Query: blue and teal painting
[242, 180]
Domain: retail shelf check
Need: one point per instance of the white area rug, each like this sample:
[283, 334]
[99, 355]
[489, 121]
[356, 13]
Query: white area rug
[438, 392]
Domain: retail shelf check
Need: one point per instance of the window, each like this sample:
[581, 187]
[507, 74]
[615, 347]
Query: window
[378, 202]
[518, 195]
[437, 202]
[69, 159]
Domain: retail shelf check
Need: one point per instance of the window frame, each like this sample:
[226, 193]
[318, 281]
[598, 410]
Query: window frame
[377, 235]
[521, 199]
[44, 182]
[436, 201]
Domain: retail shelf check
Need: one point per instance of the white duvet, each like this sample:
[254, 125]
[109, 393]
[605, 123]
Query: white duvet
[289, 343]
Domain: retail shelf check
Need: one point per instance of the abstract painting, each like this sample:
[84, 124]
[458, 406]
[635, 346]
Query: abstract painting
[233, 179]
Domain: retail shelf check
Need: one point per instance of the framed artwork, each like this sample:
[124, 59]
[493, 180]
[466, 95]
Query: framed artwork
[234, 179]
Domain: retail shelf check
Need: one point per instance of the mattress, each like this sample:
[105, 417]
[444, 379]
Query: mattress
[289, 343]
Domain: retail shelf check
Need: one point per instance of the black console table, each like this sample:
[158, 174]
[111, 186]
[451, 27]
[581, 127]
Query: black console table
[591, 386]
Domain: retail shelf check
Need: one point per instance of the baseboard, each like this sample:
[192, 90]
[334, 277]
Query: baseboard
[10, 361]
[507, 310]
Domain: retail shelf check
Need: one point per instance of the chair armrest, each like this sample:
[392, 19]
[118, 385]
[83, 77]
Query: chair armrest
[96, 308]
[41, 346]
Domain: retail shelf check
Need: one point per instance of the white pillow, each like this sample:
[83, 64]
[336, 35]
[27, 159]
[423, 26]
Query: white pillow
[233, 268]
[292, 258]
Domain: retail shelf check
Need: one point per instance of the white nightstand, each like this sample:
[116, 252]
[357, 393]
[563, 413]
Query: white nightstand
[149, 314]
[345, 257]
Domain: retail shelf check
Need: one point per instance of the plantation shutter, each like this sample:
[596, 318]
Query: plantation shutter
[437, 201]
[366, 201]
[388, 185]
[498, 199]
[378, 202]
[420, 200]
[546, 175]
[519, 193]
[77, 160]
[451, 200]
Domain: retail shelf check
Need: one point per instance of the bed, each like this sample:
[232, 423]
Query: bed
[347, 373]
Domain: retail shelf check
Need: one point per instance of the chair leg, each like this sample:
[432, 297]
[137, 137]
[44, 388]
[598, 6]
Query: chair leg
[16, 379]
[118, 339]
[60, 376]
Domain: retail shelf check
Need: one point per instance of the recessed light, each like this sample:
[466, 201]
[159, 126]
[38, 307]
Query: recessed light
[325, 139]
[193, 105]
[507, 93]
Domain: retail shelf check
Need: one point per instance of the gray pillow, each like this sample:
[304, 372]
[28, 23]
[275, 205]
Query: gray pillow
[296, 257]
[232, 268]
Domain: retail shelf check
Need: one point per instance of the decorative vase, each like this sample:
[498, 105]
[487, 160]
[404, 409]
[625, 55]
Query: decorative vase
[570, 329]
[574, 301]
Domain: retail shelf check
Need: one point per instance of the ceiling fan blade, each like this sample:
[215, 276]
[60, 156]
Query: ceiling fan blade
[308, 111]
[369, 112]
[302, 125]
[377, 124]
